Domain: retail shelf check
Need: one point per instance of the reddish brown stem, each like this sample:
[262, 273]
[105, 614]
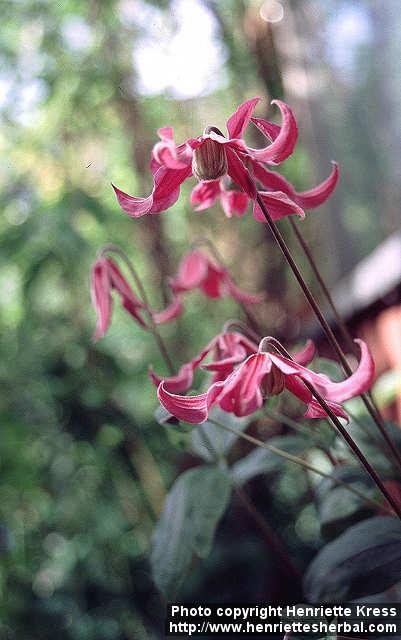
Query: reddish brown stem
[326, 327]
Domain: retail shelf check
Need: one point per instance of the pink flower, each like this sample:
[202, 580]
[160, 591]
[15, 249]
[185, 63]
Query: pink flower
[263, 374]
[198, 271]
[205, 195]
[105, 277]
[210, 157]
[276, 188]
[227, 350]
[278, 194]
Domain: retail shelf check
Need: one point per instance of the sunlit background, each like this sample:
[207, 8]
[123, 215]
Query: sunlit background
[83, 89]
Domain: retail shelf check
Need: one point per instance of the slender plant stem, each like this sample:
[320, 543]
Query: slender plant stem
[343, 432]
[300, 428]
[326, 327]
[218, 257]
[274, 541]
[113, 248]
[352, 444]
[340, 322]
[302, 463]
[241, 326]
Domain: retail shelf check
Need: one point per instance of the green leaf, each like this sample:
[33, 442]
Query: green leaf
[338, 508]
[366, 559]
[211, 442]
[187, 525]
[262, 460]
[372, 444]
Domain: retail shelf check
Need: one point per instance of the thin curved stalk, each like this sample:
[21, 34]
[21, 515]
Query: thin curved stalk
[302, 463]
[300, 428]
[326, 327]
[113, 248]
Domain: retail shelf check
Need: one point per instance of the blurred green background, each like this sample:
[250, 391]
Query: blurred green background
[83, 88]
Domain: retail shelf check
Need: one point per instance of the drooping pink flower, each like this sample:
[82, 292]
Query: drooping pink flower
[226, 349]
[277, 193]
[106, 277]
[212, 156]
[198, 271]
[264, 374]
[275, 186]
[205, 194]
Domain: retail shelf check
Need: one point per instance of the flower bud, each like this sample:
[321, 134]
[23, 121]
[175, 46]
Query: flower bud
[209, 160]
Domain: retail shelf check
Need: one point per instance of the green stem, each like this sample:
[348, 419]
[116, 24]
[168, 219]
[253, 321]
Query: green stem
[300, 428]
[302, 463]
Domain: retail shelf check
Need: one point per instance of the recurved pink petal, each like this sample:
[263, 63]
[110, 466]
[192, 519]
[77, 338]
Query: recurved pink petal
[192, 409]
[359, 382]
[314, 410]
[101, 296]
[273, 181]
[307, 354]
[205, 194]
[129, 300]
[167, 187]
[284, 137]
[135, 207]
[241, 393]
[278, 204]
[234, 202]
[238, 121]
[172, 311]
[239, 173]
[191, 272]
[164, 194]
[213, 284]
[319, 194]
[241, 296]
[175, 384]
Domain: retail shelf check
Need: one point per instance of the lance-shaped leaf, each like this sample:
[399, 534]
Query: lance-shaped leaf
[187, 525]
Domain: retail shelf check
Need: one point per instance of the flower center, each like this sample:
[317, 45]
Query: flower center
[273, 383]
[209, 160]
